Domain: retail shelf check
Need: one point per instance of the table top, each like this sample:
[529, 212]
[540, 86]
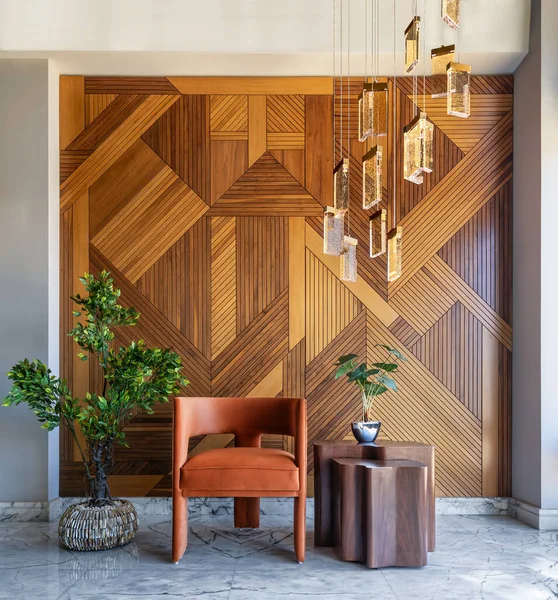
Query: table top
[378, 443]
[378, 464]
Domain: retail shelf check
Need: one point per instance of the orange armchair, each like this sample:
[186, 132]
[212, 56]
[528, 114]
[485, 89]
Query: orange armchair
[245, 472]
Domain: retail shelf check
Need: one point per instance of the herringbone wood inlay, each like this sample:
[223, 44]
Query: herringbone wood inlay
[204, 196]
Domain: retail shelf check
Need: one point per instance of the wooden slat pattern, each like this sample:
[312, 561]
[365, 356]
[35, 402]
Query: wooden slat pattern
[330, 306]
[479, 252]
[95, 104]
[228, 113]
[452, 351]
[285, 114]
[486, 111]
[162, 211]
[178, 285]
[113, 147]
[266, 188]
[129, 85]
[261, 266]
[223, 283]
[457, 198]
[204, 197]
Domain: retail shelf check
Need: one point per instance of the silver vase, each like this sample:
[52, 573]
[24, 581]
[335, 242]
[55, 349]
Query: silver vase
[366, 432]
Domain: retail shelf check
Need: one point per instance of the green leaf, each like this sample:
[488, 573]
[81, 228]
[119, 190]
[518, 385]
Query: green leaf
[392, 351]
[346, 358]
[343, 369]
[387, 381]
[386, 366]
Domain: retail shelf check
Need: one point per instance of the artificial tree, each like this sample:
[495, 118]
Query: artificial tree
[135, 378]
[372, 380]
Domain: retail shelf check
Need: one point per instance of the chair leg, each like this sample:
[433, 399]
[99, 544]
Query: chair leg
[300, 528]
[179, 526]
[247, 512]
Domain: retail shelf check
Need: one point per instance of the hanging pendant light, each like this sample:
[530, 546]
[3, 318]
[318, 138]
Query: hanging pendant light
[441, 58]
[412, 44]
[418, 145]
[372, 178]
[450, 13]
[459, 94]
[378, 233]
[349, 259]
[334, 221]
[341, 185]
[394, 253]
[372, 110]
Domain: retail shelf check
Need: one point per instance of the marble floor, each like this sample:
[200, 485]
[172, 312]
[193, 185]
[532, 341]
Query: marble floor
[477, 557]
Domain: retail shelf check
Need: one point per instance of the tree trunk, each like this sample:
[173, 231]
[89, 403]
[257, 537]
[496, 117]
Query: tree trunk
[101, 464]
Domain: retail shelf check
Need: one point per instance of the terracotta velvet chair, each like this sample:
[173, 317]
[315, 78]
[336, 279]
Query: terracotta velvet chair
[245, 472]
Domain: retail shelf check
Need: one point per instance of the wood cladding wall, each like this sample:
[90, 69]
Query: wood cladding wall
[204, 198]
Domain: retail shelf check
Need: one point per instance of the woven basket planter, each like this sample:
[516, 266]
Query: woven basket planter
[84, 527]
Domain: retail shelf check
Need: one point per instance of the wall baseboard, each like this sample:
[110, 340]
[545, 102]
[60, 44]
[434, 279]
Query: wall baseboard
[543, 519]
[49, 511]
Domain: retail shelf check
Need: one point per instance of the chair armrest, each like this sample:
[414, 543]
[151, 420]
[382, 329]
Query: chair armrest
[180, 439]
[301, 445]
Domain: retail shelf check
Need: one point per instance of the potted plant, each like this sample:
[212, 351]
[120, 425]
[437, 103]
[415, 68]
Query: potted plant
[135, 378]
[372, 381]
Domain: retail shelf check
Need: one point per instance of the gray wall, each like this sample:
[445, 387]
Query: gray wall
[24, 201]
[549, 254]
[526, 386]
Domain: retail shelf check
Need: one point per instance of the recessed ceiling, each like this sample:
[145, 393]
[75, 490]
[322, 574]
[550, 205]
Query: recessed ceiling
[246, 37]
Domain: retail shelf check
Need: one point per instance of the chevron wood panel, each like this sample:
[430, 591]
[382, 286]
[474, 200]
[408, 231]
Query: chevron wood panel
[204, 197]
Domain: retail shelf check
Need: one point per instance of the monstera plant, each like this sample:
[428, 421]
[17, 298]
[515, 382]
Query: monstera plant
[372, 380]
[135, 379]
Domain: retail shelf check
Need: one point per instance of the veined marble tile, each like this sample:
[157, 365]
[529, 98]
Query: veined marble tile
[24, 511]
[472, 506]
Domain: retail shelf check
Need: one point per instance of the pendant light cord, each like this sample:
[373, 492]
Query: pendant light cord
[394, 156]
[334, 38]
[423, 37]
[349, 114]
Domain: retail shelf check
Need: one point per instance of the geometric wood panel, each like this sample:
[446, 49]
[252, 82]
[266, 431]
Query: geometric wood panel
[204, 198]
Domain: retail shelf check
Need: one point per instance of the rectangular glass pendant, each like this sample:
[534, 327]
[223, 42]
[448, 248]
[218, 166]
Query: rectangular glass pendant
[450, 13]
[418, 147]
[341, 185]
[334, 221]
[372, 177]
[412, 44]
[459, 91]
[441, 58]
[349, 259]
[394, 253]
[378, 233]
[373, 110]
[365, 113]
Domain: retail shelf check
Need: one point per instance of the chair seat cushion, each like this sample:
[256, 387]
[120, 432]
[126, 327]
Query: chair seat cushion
[240, 469]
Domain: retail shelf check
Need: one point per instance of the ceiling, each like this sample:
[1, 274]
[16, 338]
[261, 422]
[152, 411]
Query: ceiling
[246, 37]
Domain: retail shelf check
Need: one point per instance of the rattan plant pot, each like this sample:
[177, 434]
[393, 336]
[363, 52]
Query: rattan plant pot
[85, 528]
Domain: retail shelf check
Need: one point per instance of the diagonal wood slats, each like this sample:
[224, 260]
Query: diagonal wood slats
[223, 283]
[95, 104]
[228, 113]
[452, 351]
[162, 212]
[285, 114]
[456, 199]
[113, 147]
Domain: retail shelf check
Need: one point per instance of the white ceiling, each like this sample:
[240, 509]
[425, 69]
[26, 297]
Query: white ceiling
[246, 37]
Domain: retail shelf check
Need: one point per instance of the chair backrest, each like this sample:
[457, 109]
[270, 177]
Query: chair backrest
[239, 416]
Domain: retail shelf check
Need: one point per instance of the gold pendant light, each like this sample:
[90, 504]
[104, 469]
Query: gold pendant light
[341, 185]
[334, 222]
[412, 44]
[459, 92]
[418, 145]
[441, 58]
[394, 253]
[450, 13]
[378, 233]
[372, 178]
[372, 110]
[349, 259]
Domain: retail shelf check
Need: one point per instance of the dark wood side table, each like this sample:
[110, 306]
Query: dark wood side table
[380, 514]
[328, 450]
